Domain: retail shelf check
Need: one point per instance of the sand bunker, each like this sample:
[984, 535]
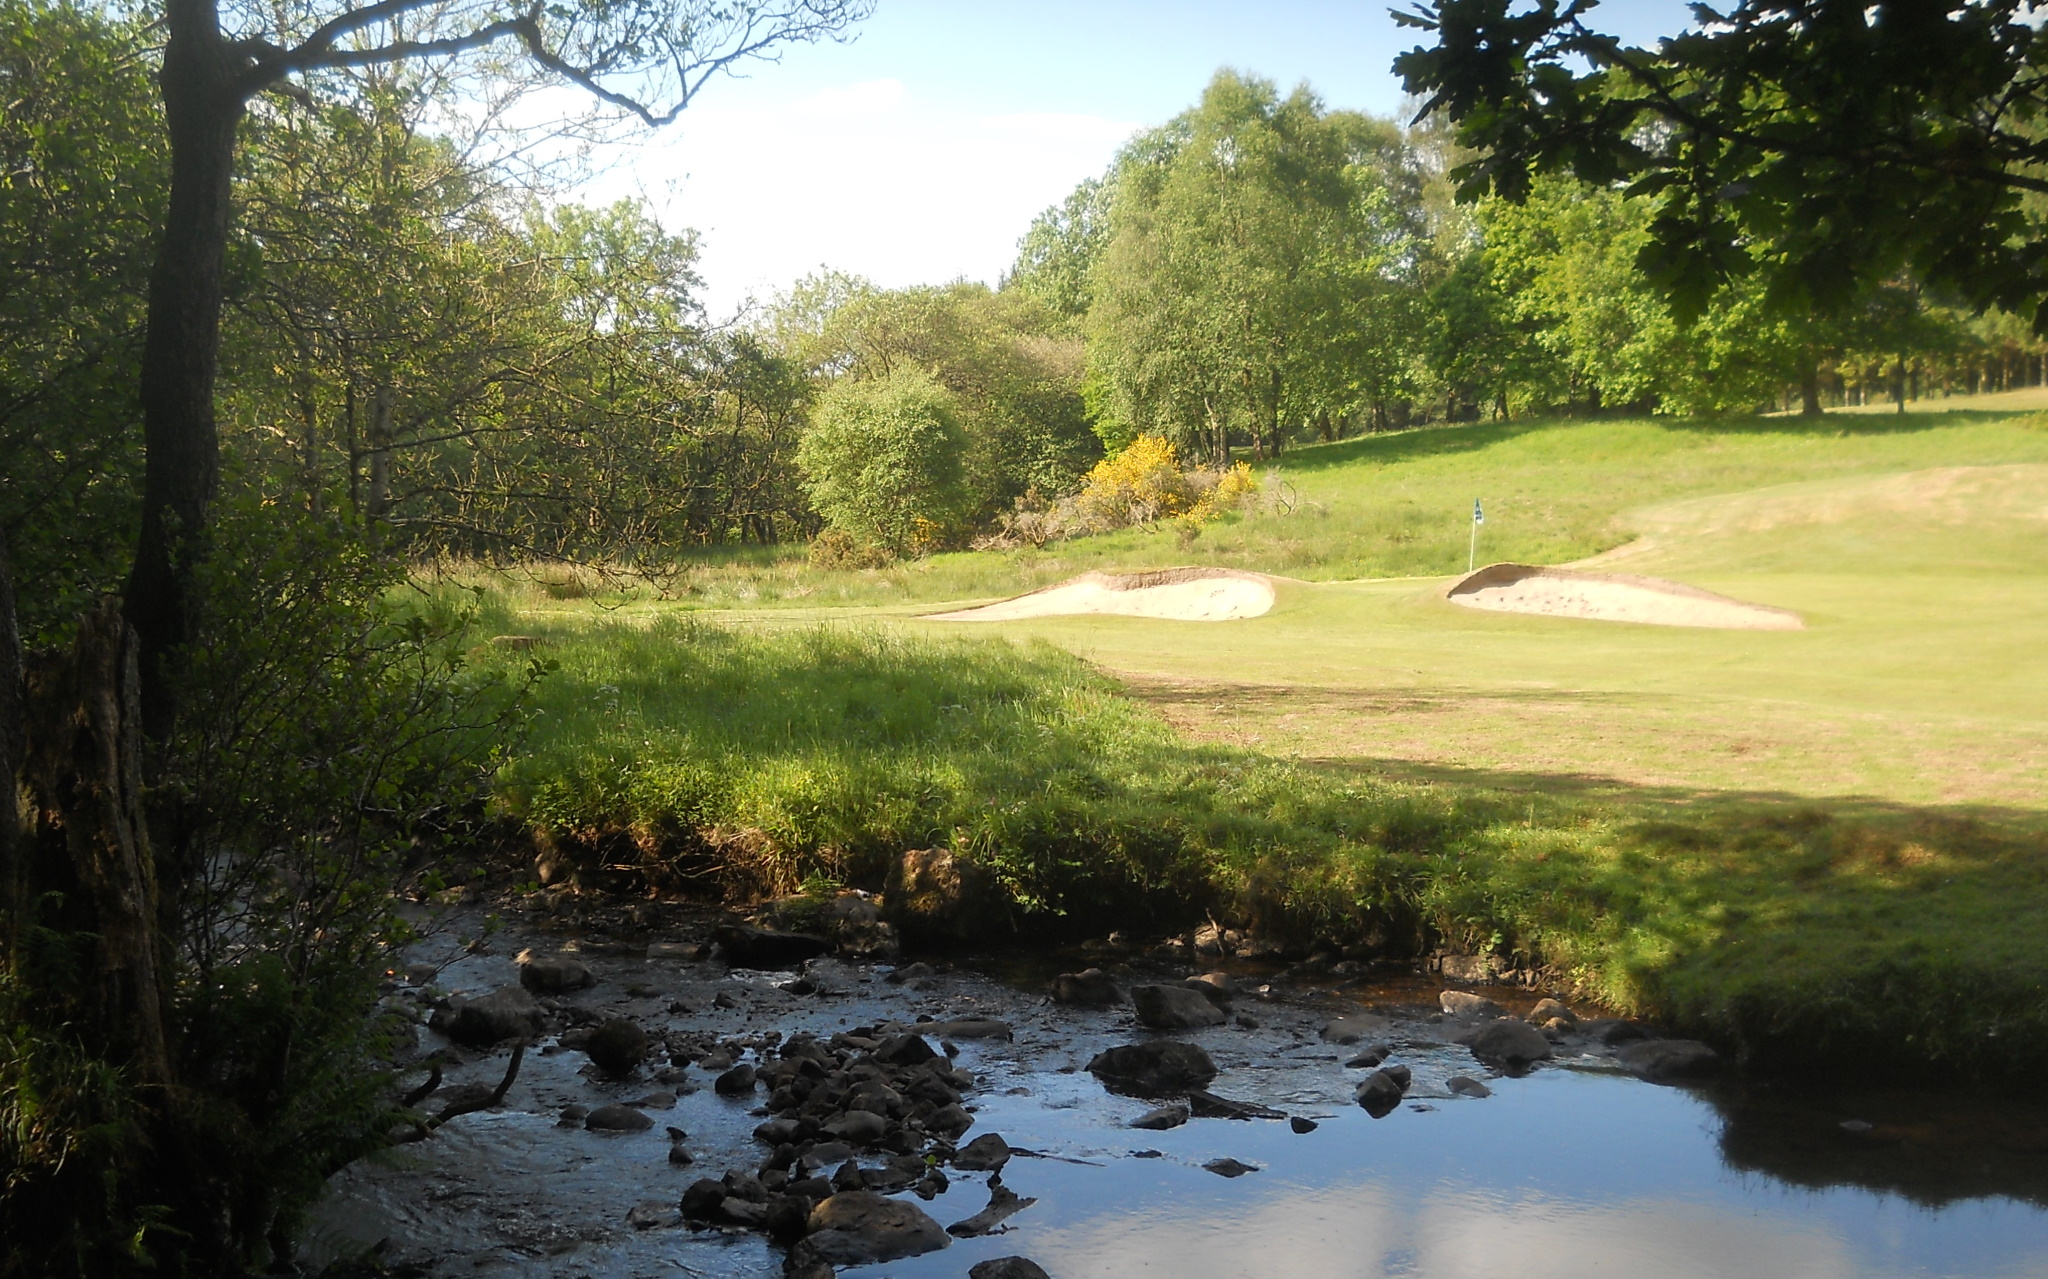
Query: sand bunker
[1612, 597]
[1175, 594]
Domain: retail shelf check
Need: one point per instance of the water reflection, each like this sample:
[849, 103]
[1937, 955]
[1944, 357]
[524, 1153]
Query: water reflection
[1559, 1174]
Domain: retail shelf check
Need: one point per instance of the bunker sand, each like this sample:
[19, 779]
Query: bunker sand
[1174, 594]
[1612, 597]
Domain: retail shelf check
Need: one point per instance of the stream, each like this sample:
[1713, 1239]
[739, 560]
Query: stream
[1575, 1168]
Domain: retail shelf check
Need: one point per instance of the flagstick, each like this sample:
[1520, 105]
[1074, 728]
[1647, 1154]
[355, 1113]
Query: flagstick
[1472, 552]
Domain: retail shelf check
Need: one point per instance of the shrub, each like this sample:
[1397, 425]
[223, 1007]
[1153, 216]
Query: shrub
[884, 462]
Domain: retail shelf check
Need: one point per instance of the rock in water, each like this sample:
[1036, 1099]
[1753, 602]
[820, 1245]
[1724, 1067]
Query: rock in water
[617, 1047]
[1663, 1060]
[1007, 1268]
[758, 948]
[1207, 1105]
[1380, 1093]
[1161, 1119]
[1466, 1086]
[861, 1228]
[1229, 1167]
[986, 1153]
[617, 1119]
[1160, 1068]
[1463, 1003]
[1302, 1124]
[554, 975]
[505, 1013]
[949, 1120]
[933, 894]
[1350, 1030]
[1551, 1009]
[1175, 1008]
[904, 1049]
[740, 1079]
[1515, 1043]
[1091, 988]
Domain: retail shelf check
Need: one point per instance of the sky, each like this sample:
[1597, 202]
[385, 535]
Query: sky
[919, 152]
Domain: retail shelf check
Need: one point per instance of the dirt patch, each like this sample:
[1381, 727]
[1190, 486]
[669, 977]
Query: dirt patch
[1174, 594]
[1610, 597]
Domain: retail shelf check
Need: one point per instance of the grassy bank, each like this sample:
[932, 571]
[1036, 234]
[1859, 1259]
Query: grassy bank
[1854, 933]
[1826, 845]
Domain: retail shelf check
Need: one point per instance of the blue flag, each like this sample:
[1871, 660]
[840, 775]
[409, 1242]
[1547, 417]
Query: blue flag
[1478, 514]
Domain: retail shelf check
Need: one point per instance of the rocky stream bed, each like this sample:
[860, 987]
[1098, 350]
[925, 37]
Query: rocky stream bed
[697, 1097]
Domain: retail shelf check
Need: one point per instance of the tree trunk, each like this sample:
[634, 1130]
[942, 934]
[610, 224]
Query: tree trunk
[87, 841]
[181, 353]
[1809, 389]
[12, 730]
[380, 451]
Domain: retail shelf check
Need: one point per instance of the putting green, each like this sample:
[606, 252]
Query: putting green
[1921, 677]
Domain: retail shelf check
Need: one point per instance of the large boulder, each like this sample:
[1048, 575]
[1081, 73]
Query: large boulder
[505, 1013]
[617, 1047]
[744, 947]
[1509, 1041]
[1663, 1061]
[1159, 1068]
[1463, 1003]
[933, 895]
[1091, 988]
[553, 974]
[862, 1228]
[1175, 1008]
[617, 1119]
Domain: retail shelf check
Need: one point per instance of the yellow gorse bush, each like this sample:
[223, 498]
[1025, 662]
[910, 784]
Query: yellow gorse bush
[1143, 482]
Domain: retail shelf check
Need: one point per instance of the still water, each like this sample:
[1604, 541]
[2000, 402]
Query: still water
[1575, 1169]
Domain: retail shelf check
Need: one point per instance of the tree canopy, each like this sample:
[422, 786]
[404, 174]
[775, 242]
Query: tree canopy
[1825, 146]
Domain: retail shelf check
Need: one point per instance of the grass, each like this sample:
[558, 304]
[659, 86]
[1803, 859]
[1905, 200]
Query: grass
[1395, 506]
[1817, 846]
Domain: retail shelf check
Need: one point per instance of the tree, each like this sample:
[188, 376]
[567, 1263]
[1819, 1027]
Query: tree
[1825, 146]
[82, 175]
[883, 460]
[1058, 254]
[1260, 254]
[647, 58]
[1006, 357]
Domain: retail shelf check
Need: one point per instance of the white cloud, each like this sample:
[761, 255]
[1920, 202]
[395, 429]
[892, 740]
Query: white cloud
[867, 178]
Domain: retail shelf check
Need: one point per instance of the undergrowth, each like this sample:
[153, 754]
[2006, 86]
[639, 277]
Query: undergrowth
[1845, 933]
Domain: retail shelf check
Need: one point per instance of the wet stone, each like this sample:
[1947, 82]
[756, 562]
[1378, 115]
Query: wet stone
[1157, 1068]
[554, 974]
[1227, 1167]
[1175, 1008]
[1352, 1030]
[986, 1153]
[859, 1227]
[1514, 1043]
[1667, 1060]
[617, 1119]
[1007, 1268]
[1162, 1118]
[617, 1047]
[1463, 1003]
[1089, 988]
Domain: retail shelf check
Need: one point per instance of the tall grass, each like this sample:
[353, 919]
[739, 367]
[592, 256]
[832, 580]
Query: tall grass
[1855, 934]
